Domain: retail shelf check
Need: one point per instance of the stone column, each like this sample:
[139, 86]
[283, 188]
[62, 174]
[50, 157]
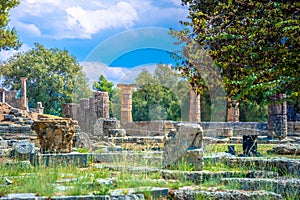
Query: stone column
[101, 104]
[40, 108]
[277, 117]
[233, 112]
[194, 114]
[126, 101]
[23, 102]
[2, 95]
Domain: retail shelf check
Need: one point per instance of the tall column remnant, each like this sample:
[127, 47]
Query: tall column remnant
[23, 102]
[233, 112]
[2, 95]
[101, 104]
[277, 117]
[126, 101]
[194, 114]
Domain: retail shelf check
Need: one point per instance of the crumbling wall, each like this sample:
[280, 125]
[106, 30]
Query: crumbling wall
[148, 128]
[88, 110]
[11, 98]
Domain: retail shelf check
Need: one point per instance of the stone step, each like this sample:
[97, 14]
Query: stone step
[285, 166]
[287, 187]
[213, 194]
[137, 139]
[153, 159]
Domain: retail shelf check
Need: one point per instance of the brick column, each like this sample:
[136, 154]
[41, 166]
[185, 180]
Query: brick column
[23, 102]
[126, 101]
[233, 112]
[194, 114]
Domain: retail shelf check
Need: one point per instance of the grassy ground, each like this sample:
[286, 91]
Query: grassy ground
[45, 181]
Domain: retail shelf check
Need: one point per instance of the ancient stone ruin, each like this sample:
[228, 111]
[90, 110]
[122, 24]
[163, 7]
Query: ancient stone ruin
[55, 135]
[184, 144]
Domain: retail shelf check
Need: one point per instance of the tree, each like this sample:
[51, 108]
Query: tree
[9, 38]
[254, 43]
[103, 85]
[54, 77]
[154, 102]
[144, 78]
[166, 83]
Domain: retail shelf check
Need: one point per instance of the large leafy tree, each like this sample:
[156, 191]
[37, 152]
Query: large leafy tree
[254, 43]
[150, 100]
[155, 102]
[54, 77]
[8, 37]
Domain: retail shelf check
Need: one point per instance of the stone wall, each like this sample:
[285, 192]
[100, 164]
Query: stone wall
[11, 98]
[159, 128]
[88, 110]
[148, 128]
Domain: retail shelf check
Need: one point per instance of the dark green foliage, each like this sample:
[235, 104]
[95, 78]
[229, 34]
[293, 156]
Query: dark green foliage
[103, 85]
[254, 43]
[154, 102]
[8, 37]
[54, 77]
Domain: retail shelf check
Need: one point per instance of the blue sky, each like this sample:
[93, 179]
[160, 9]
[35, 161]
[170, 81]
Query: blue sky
[115, 38]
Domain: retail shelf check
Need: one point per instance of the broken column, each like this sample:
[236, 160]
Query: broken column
[2, 95]
[184, 144]
[194, 114]
[101, 104]
[233, 112]
[277, 117]
[126, 101]
[23, 102]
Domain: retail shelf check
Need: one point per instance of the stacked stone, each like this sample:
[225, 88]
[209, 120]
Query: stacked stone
[101, 104]
[233, 112]
[13, 120]
[277, 117]
[126, 101]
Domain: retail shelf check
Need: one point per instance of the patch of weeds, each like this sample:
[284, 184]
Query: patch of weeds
[218, 166]
[102, 190]
[183, 165]
[200, 196]
[82, 150]
[175, 185]
[147, 194]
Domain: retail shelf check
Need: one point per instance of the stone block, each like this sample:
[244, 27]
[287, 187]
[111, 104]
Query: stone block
[55, 135]
[3, 144]
[76, 159]
[111, 123]
[187, 136]
[194, 157]
[8, 117]
[116, 132]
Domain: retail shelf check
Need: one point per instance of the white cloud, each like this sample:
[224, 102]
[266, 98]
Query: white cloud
[94, 69]
[92, 21]
[81, 19]
[4, 55]
[114, 74]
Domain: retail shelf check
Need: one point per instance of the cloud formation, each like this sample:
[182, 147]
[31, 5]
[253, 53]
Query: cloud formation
[115, 74]
[80, 19]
